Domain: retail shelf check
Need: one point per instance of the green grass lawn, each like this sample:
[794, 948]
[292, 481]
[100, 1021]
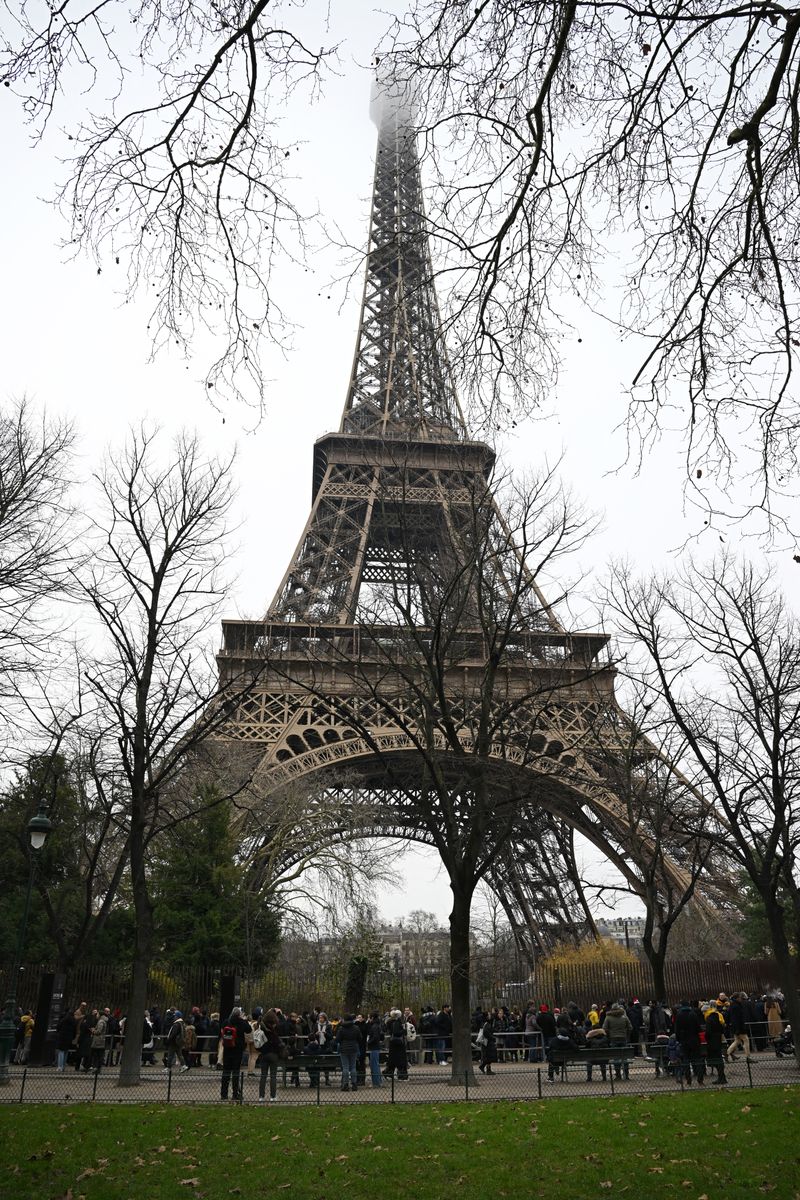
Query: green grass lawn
[704, 1146]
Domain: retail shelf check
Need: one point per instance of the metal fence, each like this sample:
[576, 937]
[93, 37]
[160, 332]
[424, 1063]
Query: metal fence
[320, 1085]
[301, 987]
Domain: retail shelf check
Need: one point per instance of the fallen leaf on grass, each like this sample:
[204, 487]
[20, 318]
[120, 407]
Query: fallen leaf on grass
[276, 1138]
[605, 1183]
[85, 1174]
[189, 1182]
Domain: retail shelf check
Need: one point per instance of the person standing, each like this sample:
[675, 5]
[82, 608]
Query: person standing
[234, 1037]
[268, 1043]
[397, 1059]
[619, 1031]
[348, 1043]
[444, 1033]
[66, 1030]
[715, 1040]
[688, 1024]
[99, 1037]
[488, 1044]
[374, 1044]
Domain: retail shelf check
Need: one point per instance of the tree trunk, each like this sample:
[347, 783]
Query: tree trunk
[657, 960]
[131, 1062]
[461, 1060]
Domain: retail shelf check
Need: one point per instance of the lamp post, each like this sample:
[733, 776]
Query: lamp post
[39, 827]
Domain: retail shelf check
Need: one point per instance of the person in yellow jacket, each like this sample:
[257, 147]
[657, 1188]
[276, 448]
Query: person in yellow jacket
[593, 1016]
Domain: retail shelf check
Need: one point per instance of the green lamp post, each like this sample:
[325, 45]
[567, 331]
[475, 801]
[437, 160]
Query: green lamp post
[39, 828]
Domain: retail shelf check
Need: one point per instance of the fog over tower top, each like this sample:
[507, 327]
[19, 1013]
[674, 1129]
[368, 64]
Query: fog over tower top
[400, 385]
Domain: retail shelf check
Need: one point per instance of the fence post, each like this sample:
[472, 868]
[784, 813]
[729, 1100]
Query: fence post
[22, 1084]
[539, 1081]
[749, 1071]
[466, 1085]
[611, 1078]
[392, 1096]
[94, 1085]
[319, 1098]
[169, 1084]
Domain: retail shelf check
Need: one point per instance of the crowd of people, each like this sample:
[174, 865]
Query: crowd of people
[691, 1040]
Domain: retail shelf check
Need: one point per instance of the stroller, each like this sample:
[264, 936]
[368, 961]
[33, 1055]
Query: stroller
[784, 1045]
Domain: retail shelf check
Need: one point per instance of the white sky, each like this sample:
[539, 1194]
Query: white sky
[72, 345]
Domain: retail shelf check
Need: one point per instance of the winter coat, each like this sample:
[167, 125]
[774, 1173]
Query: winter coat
[736, 1017]
[715, 1031]
[65, 1032]
[617, 1026]
[99, 1033]
[348, 1038]
[374, 1035]
[547, 1024]
[688, 1024]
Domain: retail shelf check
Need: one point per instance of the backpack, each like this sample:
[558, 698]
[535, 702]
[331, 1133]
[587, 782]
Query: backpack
[228, 1035]
[259, 1038]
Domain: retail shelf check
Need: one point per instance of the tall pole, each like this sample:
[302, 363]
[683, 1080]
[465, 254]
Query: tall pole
[38, 829]
[7, 1026]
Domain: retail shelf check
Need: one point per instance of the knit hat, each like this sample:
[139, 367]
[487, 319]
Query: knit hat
[178, 1014]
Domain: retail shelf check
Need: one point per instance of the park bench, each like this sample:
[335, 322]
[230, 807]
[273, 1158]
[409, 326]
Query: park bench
[314, 1064]
[589, 1056]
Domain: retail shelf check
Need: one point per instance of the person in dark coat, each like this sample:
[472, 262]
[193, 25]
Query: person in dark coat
[398, 1058]
[737, 1026]
[83, 1059]
[547, 1023]
[233, 1053]
[348, 1043]
[374, 1044]
[688, 1024]
[444, 1033]
[269, 1055]
[66, 1031]
[489, 1044]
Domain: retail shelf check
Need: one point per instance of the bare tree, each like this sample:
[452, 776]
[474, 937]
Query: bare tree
[36, 537]
[180, 173]
[676, 867]
[723, 656]
[565, 138]
[154, 586]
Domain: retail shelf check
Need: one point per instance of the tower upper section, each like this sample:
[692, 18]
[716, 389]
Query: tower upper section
[400, 385]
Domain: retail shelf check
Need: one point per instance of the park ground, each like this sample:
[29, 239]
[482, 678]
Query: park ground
[703, 1146]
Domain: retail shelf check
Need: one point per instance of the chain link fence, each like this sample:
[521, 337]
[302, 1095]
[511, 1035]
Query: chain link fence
[319, 1082]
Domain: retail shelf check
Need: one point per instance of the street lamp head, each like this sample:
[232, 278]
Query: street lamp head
[38, 829]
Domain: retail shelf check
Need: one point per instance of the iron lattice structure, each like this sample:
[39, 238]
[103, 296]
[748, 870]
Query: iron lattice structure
[398, 494]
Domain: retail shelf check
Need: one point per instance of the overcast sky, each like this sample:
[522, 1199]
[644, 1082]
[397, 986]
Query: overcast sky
[70, 343]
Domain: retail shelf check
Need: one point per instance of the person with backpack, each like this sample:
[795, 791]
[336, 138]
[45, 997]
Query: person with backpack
[234, 1036]
[175, 1042]
[398, 1058]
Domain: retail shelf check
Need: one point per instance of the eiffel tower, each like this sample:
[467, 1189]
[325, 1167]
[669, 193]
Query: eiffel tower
[390, 490]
